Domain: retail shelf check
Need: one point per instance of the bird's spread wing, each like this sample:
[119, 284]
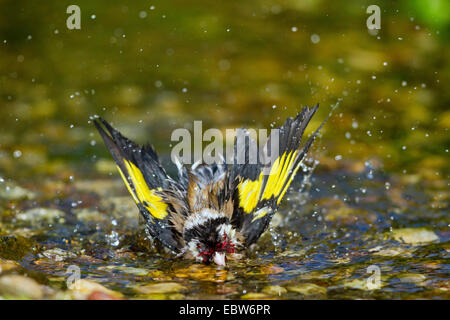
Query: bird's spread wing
[258, 192]
[147, 182]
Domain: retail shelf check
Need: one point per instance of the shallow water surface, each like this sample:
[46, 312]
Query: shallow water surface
[328, 242]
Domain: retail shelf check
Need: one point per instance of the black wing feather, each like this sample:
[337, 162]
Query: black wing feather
[248, 181]
[146, 161]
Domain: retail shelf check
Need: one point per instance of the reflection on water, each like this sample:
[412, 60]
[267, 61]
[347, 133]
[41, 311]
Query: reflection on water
[379, 195]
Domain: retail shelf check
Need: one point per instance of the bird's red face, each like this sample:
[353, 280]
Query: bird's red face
[218, 252]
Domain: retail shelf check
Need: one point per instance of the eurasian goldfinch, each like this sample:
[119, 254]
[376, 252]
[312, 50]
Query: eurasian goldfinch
[211, 213]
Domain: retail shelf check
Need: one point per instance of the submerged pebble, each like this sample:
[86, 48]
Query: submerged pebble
[154, 296]
[307, 289]
[20, 287]
[274, 290]
[392, 252]
[15, 192]
[99, 295]
[120, 207]
[204, 273]
[416, 278]
[41, 214]
[90, 215]
[57, 254]
[163, 287]
[255, 296]
[6, 265]
[361, 284]
[414, 235]
[127, 270]
[343, 212]
[83, 288]
[102, 187]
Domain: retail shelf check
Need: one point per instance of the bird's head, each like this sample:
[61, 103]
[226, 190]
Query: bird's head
[213, 240]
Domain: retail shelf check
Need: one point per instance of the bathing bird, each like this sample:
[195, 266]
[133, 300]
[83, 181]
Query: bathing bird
[212, 213]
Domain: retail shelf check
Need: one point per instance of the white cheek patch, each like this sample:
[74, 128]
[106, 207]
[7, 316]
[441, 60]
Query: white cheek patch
[193, 248]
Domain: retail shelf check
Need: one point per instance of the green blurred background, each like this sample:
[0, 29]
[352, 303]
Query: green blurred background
[153, 66]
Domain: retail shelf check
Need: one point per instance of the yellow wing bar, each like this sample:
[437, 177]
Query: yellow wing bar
[280, 177]
[249, 192]
[141, 193]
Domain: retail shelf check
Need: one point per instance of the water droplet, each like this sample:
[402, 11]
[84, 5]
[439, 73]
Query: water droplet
[315, 38]
[17, 154]
[114, 238]
[370, 169]
[224, 64]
